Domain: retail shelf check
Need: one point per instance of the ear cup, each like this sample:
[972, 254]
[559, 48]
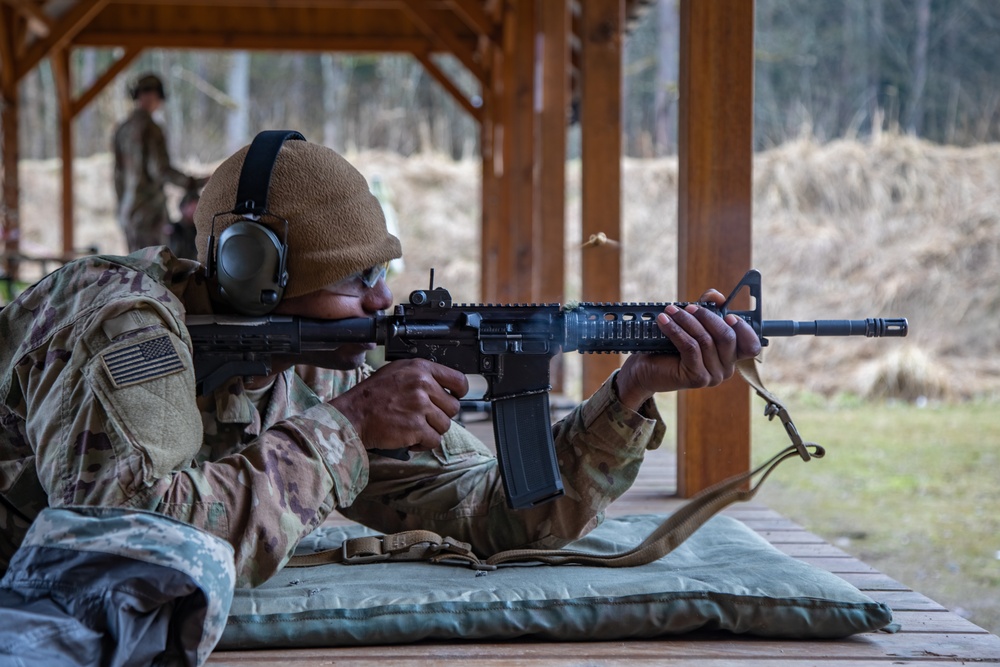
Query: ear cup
[249, 259]
[249, 266]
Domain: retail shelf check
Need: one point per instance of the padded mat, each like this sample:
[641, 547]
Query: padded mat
[724, 577]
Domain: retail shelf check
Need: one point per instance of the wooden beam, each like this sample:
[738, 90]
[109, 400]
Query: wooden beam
[291, 4]
[553, 122]
[489, 199]
[71, 23]
[554, 27]
[497, 205]
[223, 40]
[505, 160]
[425, 20]
[528, 254]
[491, 149]
[38, 21]
[8, 60]
[20, 34]
[116, 68]
[61, 76]
[428, 24]
[449, 86]
[715, 142]
[473, 15]
[61, 70]
[10, 230]
[516, 244]
[601, 25]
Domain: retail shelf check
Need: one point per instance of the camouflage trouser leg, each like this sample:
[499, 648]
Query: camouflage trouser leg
[114, 587]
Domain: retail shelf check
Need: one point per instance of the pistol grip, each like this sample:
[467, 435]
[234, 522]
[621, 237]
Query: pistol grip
[523, 431]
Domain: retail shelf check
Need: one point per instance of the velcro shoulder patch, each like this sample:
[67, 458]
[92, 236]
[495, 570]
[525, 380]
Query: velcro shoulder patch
[142, 361]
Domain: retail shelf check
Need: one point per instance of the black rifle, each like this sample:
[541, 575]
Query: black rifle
[509, 345]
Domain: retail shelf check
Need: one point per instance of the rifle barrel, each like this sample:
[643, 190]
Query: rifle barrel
[873, 327]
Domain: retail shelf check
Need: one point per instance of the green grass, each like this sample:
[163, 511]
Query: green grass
[914, 492]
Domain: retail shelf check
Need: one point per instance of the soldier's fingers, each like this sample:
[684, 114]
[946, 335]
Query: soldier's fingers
[454, 381]
[713, 296]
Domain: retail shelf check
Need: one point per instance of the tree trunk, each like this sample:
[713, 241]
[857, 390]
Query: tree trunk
[333, 101]
[915, 110]
[238, 87]
[665, 97]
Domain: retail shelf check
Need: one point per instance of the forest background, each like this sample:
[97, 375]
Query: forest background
[830, 69]
[876, 128]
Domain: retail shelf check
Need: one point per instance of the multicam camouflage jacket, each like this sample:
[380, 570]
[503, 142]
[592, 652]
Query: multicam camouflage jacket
[98, 408]
[142, 168]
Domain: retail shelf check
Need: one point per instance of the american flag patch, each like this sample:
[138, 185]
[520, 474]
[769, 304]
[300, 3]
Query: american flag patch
[139, 362]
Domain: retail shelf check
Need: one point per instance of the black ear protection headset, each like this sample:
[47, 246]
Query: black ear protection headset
[249, 260]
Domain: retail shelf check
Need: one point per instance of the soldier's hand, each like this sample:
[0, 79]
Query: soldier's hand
[708, 345]
[405, 404]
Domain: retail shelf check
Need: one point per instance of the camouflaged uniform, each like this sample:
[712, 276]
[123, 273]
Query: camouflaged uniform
[107, 586]
[142, 168]
[97, 407]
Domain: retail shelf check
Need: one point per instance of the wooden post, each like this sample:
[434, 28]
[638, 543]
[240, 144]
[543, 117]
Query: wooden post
[10, 231]
[525, 277]
[554, 23]
[489, 194]
[602, 23]
[715, 141]
[61, 64]
[515, 241]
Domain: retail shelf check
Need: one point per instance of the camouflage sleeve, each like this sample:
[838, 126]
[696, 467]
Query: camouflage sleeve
[158, 159]
[115, 416]
[457, 489]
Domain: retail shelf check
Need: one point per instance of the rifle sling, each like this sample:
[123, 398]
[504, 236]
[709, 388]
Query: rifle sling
[416, 545]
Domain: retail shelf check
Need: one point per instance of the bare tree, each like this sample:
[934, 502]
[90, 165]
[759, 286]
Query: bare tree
[667, 70]
[915, 109]
[238, 87]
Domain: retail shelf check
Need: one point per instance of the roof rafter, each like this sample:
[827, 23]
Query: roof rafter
[448, 85]
[474, 16]
[116, 68]
[447, 41]
[228, 41]
[63, 31]
[38, 21]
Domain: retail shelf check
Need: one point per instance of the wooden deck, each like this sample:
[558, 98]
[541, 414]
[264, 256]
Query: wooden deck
[930, 633]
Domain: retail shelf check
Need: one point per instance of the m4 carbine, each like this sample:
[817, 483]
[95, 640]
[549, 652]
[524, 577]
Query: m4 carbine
[509, 345]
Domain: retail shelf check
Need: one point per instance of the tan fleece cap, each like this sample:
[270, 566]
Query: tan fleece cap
[335, 224]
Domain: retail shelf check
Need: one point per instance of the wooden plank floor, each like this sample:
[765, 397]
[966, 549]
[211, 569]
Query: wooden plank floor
[930, 633]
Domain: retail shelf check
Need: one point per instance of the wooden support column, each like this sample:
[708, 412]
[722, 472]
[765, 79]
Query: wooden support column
[515, 242]
[496, 204]
[715, 142]
[10, 231]
[554, 27]
[601, 27]
[61, 72]
[490, 188]
[526, 278]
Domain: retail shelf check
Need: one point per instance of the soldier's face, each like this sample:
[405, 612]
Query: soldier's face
[150, 100]
[348, 298]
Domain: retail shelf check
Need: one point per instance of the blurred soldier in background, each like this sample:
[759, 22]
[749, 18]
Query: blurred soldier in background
[142, 168]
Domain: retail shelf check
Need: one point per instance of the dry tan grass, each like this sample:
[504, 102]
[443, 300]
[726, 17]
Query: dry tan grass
[905, 372]
[898, 227]
[893, 227]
